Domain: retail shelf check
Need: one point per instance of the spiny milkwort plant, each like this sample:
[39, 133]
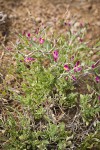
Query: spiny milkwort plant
[50, 71]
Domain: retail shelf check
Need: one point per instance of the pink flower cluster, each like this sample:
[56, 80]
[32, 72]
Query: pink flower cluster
[28, 35]
[77, 68]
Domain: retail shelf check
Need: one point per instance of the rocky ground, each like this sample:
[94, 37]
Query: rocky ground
[20, 15]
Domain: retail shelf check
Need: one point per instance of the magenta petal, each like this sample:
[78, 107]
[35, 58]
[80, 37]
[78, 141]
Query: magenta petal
[41, 40]
[99, 97]
[93, 66]
[77, 69]
[69, 24]
[74, 78]
[28, 35]
[55, 55]
[97, 79]
[77, 63]
[81, 40]
[66, 67]
[34, 39]
[72, 58]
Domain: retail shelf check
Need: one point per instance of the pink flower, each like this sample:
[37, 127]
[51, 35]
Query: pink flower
[66, 67]
[65, 23]
[28, 35]
[80, 39]
[99, 97]
[73, 78]
[93, 66]
[69, 24]
[77, 63]
[97, 78]
[41, 40]
[29, 59]
[72, 58]
[55, 55]
[34, 39]
[77, 69]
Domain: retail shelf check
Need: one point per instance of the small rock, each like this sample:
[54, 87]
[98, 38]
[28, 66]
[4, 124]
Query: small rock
[95, 57]
[13, 16]
[98, 23]
[38, 20]
[3, 18]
